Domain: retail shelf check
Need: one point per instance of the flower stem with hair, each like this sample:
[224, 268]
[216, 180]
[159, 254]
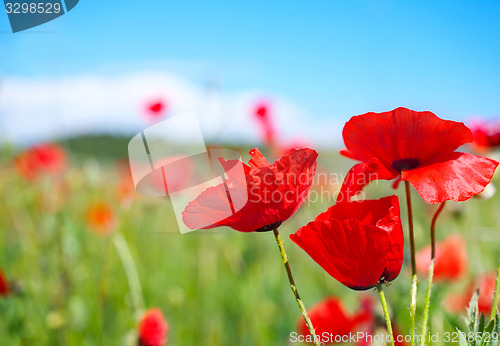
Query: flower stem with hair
[294, 287]
[431, 273]
[495, 296]
[413, 301]
[386, 312]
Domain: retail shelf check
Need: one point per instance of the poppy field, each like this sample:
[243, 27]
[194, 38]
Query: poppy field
[391, 239]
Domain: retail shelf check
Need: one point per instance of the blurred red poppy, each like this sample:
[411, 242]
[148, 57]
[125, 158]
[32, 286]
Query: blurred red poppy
[486, 284]
[458, 302]
[450, 262]
[155, 109]
[262, 113]
[4, 285]
[417, 147]
[358, 243]
[275, 192]
[330, 318]
[153, 328]
[41, 159]
[486, 134]
[101, 218]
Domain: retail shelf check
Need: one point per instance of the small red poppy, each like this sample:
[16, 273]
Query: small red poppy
[275, 192]
[153, 328]
[450, 262]
[330, 318]
[417, 147]
[155, 109]
[358, 243]
[41, 159]
[4, 285]
[262, 114]
[486, 134]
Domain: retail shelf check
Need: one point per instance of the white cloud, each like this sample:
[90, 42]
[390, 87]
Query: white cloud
[33, 109]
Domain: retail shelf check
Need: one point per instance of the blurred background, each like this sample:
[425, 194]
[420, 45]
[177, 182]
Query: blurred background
[83, 255]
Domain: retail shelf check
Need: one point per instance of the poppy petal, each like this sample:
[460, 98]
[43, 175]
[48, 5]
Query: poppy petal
[403, 134]
[458, 177]
[348, 251]
[258, 160]
[274, 191]
[361, 175]
[357, 243]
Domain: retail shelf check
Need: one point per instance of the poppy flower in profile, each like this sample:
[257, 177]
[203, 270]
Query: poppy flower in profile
[450, 263]
[275, 192]
[101, 218]
[4, 285]
[153, 328]
[358, 243]
[329, 317]
[486, 134]
[41, 159]
[262, 114]
[417, 147]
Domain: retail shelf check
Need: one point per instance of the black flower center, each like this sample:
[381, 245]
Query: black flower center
[401, 164]
[270, 227]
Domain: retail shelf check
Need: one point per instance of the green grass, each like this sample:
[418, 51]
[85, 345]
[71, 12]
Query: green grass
[217, 287]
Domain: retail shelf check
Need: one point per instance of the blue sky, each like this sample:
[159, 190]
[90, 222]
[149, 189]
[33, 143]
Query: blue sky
[334, 58]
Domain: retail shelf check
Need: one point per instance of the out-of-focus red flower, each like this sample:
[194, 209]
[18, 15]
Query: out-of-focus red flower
[486, 286]
[4, 285]
[155, 109]
[153, 328]
[486, 134]
[458, 302]
[275, 192]
[101, 218]
[262, 113]
[417, 147]
[358, 243]
[330, 317]
[450, 262]
[41, 159]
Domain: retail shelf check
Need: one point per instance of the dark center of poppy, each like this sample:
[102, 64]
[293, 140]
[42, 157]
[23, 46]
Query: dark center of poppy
[405, 164]
[270, 227]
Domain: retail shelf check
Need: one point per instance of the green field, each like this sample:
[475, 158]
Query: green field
[215, 287]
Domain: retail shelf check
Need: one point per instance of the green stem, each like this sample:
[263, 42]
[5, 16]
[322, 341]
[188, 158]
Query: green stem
[495, 297]
[386, 312]
[130, 271]
[294, 287]
[431, 274]
[413, 301]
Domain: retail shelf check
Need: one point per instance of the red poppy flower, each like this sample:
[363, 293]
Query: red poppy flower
[486, 134]
[155, 109]
[275, 192]
[330, 318]
[450, 262]
[417, 147]
[4, 285]
[458, 302]
[41, 159]
[101, 218]
[358, 243]
[263, 116]
[153, 328]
